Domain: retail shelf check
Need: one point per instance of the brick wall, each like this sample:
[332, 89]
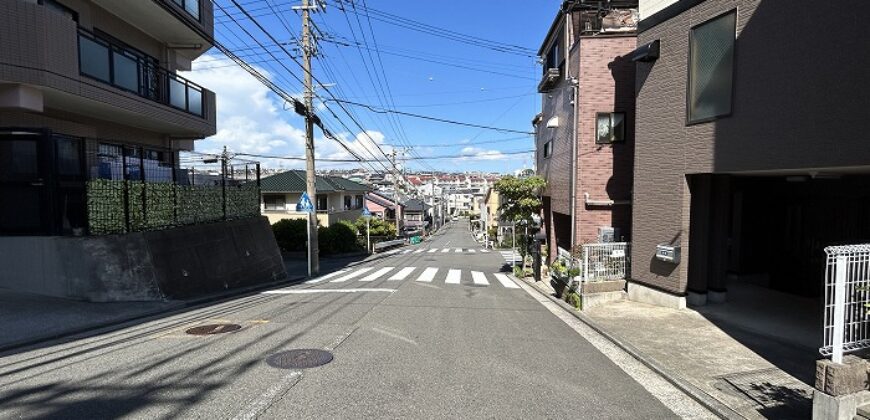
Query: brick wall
[606, 81]
[800, 104]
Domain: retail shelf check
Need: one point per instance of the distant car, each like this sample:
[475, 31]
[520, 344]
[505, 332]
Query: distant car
[455, 218]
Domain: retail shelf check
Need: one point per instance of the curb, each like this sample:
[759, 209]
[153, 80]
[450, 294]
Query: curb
[701, 397]
[180, 307]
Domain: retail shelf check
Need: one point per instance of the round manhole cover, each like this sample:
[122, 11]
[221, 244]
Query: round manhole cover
[213, 329]
[299, 359]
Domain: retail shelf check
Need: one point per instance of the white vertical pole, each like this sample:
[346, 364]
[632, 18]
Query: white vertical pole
[839, 309]
[585, 263]
[514, 245]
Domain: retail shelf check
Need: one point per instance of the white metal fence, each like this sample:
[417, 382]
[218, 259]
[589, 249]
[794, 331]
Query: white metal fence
[605, 261]
[847, 296]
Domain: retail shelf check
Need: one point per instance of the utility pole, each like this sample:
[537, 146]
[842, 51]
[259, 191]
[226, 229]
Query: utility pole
[396, 193]
[310, 174]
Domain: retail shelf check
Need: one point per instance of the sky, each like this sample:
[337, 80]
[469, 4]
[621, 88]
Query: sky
[379, 54]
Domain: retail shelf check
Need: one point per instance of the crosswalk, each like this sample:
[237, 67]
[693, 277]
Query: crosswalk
[510, 256]
[452, 276]
[437, 250]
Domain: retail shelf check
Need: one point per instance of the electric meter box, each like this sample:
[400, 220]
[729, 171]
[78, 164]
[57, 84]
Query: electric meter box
[668, 253]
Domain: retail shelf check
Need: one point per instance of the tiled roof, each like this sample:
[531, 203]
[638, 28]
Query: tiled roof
[294, 182]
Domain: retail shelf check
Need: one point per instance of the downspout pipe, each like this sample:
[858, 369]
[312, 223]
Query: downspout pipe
[575, 84]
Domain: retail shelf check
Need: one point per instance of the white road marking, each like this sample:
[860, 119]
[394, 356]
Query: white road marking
[459, 250]
[407, 251]
[428, 274]
[377, 274]
[445, 250]
[479, 278]
[326, 277]
[256, 407]
[433, 250]
[312, 291]
[419, 251]
[356, 273]
[505, 281]
[403, 273]
[485, 251]
[471, 251]
[453, 276]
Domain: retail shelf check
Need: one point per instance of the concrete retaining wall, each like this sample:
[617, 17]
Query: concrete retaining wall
[177, 263]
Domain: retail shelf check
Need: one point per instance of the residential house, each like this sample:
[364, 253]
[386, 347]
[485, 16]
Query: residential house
[745, 175]
[337, 198]
[384, 206]
[416, 220]
[585, 132]
[491, 214]
[93, 115]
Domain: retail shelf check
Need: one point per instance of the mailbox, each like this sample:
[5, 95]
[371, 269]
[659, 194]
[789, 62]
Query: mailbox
[668, 253]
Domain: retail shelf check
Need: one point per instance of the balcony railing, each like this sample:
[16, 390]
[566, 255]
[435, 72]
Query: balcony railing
[137, 73]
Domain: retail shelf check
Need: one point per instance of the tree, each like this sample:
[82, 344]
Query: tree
[520, 202]
[520, 197]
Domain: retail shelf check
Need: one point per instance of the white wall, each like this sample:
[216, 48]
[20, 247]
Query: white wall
[647, 8]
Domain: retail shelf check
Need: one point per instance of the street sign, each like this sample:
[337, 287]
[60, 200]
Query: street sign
[366, 212]
[305, 205]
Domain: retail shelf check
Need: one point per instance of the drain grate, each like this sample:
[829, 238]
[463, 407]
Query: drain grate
[299, 359]
[213, 329]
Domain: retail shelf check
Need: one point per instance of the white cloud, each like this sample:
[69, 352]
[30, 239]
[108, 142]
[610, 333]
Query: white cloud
[476, 153]
[251, 119]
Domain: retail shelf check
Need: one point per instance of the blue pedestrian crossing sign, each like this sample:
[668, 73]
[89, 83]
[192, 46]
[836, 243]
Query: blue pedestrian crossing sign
[366, 212]
[305, 205]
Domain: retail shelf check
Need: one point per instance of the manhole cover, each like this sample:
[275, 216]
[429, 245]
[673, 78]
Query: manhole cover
[299, 359]
[213, 329]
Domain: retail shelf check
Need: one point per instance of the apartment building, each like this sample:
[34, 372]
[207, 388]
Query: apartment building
[93, 115]
[585, 132]
[751, 148]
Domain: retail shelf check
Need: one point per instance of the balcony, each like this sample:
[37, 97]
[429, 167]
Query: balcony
[111, 84]
[138, 74]
[550, 80]
[174, 22]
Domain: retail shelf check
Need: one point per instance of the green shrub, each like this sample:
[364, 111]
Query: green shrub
[379, 227]
[573, 299]
[291, 234]
[338, 238]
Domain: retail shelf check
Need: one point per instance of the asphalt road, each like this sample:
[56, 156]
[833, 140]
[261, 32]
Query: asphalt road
[446, 338]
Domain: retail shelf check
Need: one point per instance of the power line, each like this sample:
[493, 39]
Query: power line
[426, 117]
[477, 156]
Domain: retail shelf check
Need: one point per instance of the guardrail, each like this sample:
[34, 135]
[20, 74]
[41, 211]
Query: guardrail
[380, 246]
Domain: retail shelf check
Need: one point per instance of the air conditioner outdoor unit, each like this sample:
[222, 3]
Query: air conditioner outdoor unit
[607, 234]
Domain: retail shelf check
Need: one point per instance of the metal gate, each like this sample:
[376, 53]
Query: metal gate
[605, 261]
[847, 300]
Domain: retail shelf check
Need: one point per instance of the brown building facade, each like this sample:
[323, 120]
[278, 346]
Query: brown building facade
[585, 132]
[751, 147]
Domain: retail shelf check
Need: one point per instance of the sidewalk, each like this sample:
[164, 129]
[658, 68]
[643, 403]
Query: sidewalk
[746, 374]
[27, 318]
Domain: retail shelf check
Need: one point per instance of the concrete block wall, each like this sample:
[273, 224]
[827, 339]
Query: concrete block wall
[179, 263]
